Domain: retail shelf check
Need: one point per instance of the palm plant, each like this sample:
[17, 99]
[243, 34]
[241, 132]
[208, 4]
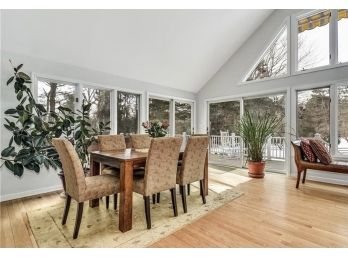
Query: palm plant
[255, 129]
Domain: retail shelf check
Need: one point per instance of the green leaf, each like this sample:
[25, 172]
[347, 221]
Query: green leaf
[10, 80]
[78, 134]
[19, 67]
[18, 169]
[24, 76]
[41, 107]
[9, 165]
[11, 111]
[19, 95]
[11, 141]
[8, 151]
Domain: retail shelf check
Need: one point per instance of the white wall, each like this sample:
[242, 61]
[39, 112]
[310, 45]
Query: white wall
[226, 82]
[31, 183]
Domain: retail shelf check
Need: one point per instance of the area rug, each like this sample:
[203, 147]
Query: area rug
[99, 226]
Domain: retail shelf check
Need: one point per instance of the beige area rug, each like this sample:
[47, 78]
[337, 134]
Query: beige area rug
[99, 227]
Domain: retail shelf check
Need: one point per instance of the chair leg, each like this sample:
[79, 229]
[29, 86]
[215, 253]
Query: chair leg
[175, 206]
[298, 178]
[188, 189]
[147, 211]
[154, 198]
[115, 201]
[158, 197]
[304, 176]
[183, 196]
[78, 219]
[201, 183]
[107, 202]
[66, 209]
[180, 190]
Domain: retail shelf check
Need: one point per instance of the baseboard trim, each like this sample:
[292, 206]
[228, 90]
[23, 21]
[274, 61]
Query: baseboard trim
[9, 197]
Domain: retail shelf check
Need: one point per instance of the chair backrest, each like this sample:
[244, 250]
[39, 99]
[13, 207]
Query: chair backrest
[192, 168]
[111, 142]
[72, 167]
[161, 164]
[140, 141]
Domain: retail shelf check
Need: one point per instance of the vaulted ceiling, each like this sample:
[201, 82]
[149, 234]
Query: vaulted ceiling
[182, 49]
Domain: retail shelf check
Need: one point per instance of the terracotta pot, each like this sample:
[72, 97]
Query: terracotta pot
[256, 169]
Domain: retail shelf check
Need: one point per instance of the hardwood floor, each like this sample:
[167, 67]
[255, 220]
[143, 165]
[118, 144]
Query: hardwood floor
[271, 213]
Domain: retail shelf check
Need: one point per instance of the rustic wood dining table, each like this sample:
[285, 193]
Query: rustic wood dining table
[126, 160]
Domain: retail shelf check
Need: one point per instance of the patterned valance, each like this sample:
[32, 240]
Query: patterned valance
[319, 19]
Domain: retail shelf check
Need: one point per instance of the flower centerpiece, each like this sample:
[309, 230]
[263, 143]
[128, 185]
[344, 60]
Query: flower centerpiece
[156, 128]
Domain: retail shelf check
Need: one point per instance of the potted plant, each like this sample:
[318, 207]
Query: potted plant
[255, 129]
[156, 128]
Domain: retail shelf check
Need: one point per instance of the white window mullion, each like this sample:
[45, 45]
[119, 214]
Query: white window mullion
[172, 118]
[333, 119]
[333, 38]
[113, 111]
[78, 97]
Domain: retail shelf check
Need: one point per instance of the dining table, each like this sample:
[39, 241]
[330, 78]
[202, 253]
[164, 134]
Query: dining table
[126, 160]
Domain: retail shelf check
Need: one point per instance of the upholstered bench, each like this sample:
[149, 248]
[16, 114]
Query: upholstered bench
[303, 165]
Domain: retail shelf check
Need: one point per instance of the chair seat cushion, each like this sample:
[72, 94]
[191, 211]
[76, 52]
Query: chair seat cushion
[139, 185]
[99, 186]
[111, 171]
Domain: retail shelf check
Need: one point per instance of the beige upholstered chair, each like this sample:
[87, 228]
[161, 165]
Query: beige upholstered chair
[79, 187]
[140, 141]
[160, 172]
[192, 167]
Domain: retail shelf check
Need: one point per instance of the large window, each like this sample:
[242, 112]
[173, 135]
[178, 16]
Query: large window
[128, 112]
[224, 117]
[313, 41]
[343, 119]
[159, 109]
[274, 61]
[183, 118]
[313, 113]
[342, 27]
[100, 109]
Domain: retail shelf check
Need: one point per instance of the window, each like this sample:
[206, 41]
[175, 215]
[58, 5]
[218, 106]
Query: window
[128, 112]
[159, 110]
[274, 61]
[342, 28]
[53, 94]
[343, 119]
[183, 112]
[100, 109]
[313, 40]
[313, 113]
[224, 117]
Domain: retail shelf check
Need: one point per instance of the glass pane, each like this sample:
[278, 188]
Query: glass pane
[343, 119]
[313, 41]
[274, 61]
[100, 109]
[53, 94]
[274, 151]
[224, 117]
[159, 110]
[127, 113]
[183, 118]
[313, 113]
[342, 25]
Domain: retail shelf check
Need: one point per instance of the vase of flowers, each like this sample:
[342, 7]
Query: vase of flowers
[156, 128]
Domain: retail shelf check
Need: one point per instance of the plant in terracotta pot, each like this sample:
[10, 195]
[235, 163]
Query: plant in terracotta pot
[156, 128]
[255, 129]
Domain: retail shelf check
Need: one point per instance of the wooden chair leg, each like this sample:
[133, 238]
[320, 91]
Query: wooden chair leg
[154, 198]
[78, 219]
[107, 202]
[115, 201]
[188, 189]
[158, 197]
[66, 209]
[147, 211]
[183, 196]
[175, 206]
[304, 176]
[298, 178]
[201, 184]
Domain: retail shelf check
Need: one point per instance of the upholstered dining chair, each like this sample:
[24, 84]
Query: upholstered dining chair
[192, 167]
[79, 187]
[160, 172]
[140, 141]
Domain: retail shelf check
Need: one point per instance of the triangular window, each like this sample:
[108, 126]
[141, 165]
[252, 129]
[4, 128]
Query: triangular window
[273, 62]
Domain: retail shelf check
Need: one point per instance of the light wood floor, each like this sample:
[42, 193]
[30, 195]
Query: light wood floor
[271, 213]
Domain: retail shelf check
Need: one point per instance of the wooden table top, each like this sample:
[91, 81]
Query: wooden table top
[122, 155]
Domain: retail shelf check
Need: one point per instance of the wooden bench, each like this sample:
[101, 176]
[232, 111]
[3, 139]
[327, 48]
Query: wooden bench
[303, 165]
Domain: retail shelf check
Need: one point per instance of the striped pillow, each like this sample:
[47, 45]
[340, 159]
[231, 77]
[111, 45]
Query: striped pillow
[320, 151]
[307, 150]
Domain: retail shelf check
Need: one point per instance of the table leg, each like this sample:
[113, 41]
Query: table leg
[206, 175]
[95, 171]
[126, 199]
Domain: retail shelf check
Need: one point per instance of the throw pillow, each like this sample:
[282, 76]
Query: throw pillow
[320, 151]
[307, 150]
